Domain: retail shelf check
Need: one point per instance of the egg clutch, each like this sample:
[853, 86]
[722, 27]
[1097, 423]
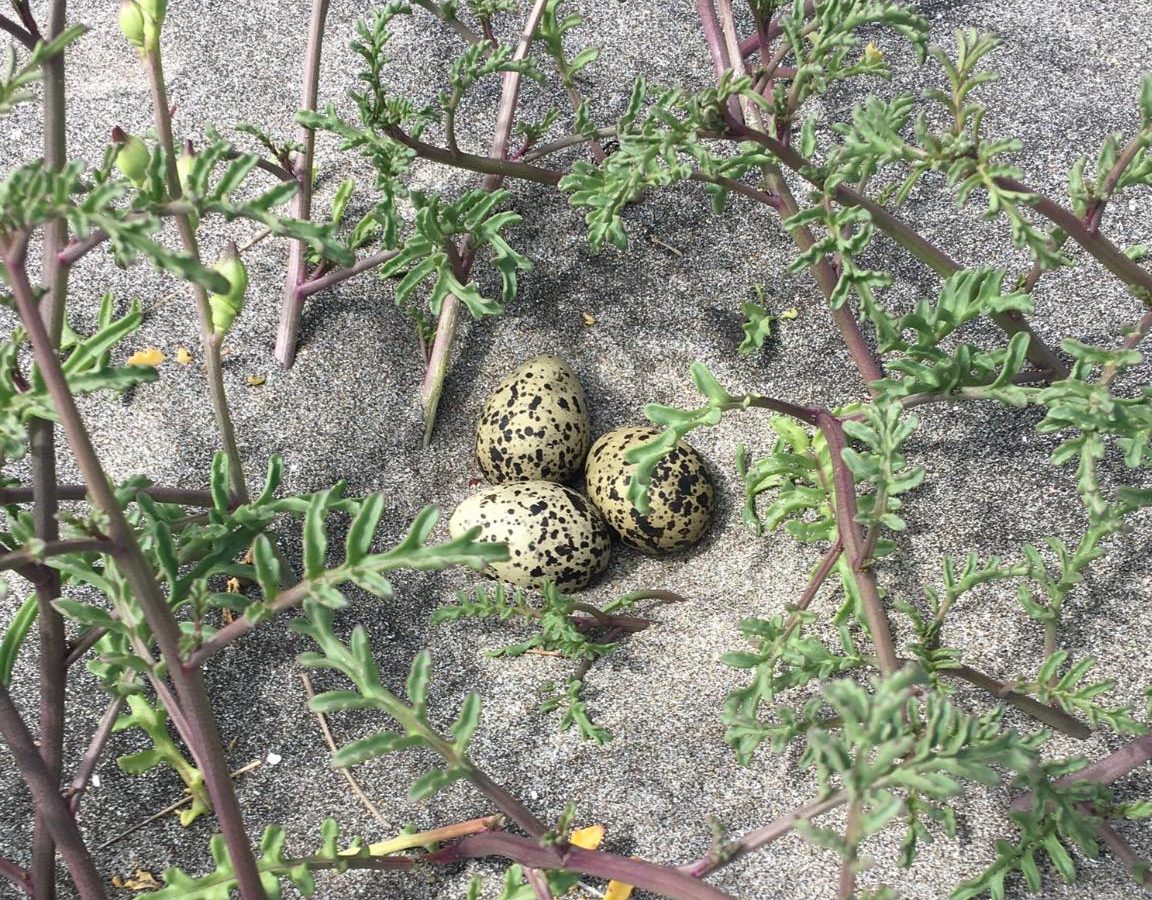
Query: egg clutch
[533, 435]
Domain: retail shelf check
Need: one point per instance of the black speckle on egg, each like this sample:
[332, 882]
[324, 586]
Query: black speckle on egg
[552, 533]
[680, 494]
[534, 426]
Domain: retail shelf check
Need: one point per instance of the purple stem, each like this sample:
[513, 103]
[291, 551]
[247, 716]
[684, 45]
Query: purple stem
[757, 42]
[178, 496]
[202, 734]
[849, 531]
[1105, 771]
[1136, 867]
[1099, 247]
[93, 753]
[18, 876]
[17, 32]
[292, 307]
[662, 880]
[763, 836]
[42, 454]
[50, 805]
[315, 285]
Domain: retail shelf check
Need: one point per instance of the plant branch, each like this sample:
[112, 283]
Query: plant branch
[1104, 771]
[661, 880]
[1099, 247]
[209, 342]
[292, 306]
[92, 755]
[850, 536]
[179, 496]
[1051, 716]
[53, 672]
[1136, 867]
[723, 45]
[18, 876]
[49, 804]
[202, 735]
[315, 285]
[24, 557]
[437, 370]
[763, 836]
[22, 35]
[449, 19]
[1039, 354]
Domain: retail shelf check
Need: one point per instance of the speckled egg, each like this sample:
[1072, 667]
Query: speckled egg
[535, 425]
[552, 533]
[681, 493]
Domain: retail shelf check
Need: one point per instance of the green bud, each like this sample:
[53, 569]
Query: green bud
[156, 9]
[132, 23]
[184, 165]
[225, 307]
[133, 157]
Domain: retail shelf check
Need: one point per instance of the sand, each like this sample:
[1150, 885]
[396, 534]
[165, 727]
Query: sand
[348, 410]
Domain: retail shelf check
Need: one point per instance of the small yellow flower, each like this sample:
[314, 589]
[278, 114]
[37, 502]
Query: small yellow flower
[873, 54]
[149, 356]
[183, 356]
[587, 838]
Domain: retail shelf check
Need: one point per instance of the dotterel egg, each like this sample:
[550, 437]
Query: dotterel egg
[681, 493]
[552, 533]
[535, 425]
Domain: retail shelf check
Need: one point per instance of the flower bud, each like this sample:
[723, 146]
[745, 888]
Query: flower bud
[184, 165]
[873, 54]
[132, 23]
[225, 307]
[133, 157]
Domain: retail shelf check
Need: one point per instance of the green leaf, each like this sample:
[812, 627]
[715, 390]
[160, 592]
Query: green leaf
[418, 679]
[380, 744]
[267, 566]
[316, 534]
[88, 616]
[363, 529]
[14, 637]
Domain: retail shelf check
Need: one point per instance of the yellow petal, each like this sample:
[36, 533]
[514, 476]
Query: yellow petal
[149, 356]
[255, 380]
[143, 880]
[183, 356]
[588, 318]
[873, 54]
[618, 891]
[587, 838]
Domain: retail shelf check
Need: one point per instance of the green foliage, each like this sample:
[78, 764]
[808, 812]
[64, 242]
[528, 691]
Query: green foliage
[552, 33]
[354, 660]
[562, 628]
[86, 366]
[927, 647]
[1071, 694]
[16, 81]
[894, 745]
[883, 431]
[758, 321]
[274, 867]
[825, 47]
[153, 721]
[575, 711]
[783, 657]
[14, 636]
[659, 144]
[925, 367]
[1059, 819]
[430, 252]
